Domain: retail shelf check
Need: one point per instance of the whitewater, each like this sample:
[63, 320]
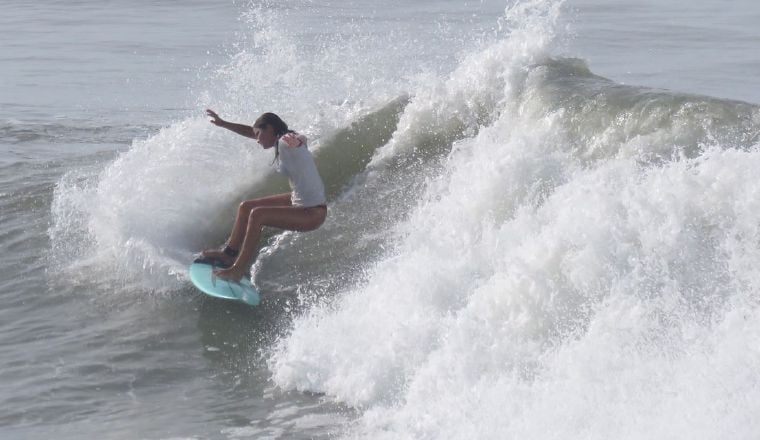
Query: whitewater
[516, 245]
[581, 263]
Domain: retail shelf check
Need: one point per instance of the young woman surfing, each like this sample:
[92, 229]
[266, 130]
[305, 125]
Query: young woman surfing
[303, 209]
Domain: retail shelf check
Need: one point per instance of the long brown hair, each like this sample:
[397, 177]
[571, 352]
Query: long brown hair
[280, 128]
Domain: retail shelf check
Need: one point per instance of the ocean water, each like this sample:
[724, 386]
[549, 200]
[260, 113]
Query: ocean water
[543, 220]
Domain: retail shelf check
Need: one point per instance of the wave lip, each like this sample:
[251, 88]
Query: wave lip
[602, 119]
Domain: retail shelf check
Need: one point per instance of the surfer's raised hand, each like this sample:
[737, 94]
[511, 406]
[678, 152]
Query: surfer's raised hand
[241, 129]
[293, 140]
[215, 119]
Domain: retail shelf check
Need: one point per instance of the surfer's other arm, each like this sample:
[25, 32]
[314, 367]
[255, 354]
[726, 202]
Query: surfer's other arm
[241, 129]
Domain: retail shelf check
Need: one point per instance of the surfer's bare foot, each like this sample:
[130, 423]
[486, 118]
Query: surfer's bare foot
[219, 255]
[234, 273]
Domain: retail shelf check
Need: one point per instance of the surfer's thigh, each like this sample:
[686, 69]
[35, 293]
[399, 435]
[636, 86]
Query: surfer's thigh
[292, 218]
[275, 200]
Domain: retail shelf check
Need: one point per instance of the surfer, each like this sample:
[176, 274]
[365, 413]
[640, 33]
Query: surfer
[303, 209]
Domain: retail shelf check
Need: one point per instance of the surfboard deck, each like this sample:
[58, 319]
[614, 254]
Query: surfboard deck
[202, 276]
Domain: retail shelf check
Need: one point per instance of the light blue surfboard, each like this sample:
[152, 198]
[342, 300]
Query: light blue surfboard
[204, 279]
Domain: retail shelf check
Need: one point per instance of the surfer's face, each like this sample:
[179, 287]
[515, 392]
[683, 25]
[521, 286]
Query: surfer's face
[265, 136]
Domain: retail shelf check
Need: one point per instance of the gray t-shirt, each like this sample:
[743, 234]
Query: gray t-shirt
[298, 165]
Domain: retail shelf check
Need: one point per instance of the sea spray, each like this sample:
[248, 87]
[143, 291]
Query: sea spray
[442, 111]
[144, 213]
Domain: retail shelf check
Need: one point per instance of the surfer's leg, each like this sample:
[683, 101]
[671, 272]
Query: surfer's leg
[244, 214]
[235, 240]
[292, 218]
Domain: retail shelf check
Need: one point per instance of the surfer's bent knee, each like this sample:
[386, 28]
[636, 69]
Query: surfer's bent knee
[317, 216]
[254, 214]
[247, 205]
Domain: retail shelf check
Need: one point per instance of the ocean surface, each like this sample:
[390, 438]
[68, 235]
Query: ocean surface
[544, 220]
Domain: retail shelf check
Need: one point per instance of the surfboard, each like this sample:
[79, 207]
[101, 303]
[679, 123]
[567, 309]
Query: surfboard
[202, 276]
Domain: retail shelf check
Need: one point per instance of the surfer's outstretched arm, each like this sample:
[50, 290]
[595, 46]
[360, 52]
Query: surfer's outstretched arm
[241, 129]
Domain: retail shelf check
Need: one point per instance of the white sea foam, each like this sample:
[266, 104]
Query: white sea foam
[539, 291]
